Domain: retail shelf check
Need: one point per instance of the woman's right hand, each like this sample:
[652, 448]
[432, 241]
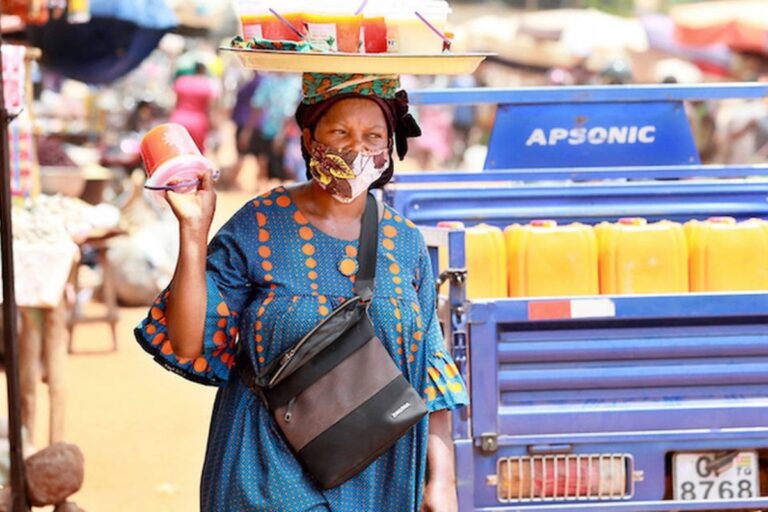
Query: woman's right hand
[195, 210]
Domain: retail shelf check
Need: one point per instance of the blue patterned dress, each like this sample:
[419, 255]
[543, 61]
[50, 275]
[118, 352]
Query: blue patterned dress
[271, 276]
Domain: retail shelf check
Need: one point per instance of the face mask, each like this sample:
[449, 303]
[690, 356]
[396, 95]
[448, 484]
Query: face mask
[346, 174]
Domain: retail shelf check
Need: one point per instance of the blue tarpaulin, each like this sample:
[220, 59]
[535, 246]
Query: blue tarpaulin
[144, 13]
[119, 36]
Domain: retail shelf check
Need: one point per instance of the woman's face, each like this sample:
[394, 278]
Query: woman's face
[355, 124]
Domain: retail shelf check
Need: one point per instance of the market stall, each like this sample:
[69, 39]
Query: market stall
[19, 178]
[44, 251]
[10, 338]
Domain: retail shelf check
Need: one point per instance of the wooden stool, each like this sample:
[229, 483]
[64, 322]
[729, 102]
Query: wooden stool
[43, 332]
[100, 245]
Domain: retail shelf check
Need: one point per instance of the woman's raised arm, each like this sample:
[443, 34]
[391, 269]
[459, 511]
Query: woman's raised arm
[186, 308]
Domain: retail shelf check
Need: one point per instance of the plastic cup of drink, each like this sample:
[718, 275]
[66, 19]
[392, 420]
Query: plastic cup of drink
[375, 34]
[374, 31]
[274, 28]
[406, 33]
[335, 27]
[258, 21]
[172, 160]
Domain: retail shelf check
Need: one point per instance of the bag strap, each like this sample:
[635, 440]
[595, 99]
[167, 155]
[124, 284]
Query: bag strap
[369, 240]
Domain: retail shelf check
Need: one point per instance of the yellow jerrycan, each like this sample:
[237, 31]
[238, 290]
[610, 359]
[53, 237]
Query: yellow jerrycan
[485, 261]
[641, 258]
[726, 255]
[546, 260]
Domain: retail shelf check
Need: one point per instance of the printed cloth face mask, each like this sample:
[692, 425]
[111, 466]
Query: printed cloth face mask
[346, 174]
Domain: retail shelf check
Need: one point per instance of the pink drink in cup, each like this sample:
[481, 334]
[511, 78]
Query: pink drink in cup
[172, 159]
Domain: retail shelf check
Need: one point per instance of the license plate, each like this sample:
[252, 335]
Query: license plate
[710, 476]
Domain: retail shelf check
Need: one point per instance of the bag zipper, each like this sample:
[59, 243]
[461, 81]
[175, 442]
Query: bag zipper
[289, 410]
[289, 355]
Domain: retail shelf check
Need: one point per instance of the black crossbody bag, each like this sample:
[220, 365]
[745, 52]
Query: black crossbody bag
[336, 394]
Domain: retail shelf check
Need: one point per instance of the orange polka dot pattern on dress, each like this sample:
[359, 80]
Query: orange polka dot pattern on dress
[348, 267]
[223, 332]
[272, 275]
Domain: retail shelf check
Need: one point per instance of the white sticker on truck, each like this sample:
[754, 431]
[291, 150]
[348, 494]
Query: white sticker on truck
[593, 308]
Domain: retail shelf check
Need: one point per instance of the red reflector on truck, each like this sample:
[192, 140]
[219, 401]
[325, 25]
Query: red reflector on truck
[564, 477]
[576, 308]
[550, 310]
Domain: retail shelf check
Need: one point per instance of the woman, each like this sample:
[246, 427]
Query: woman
[282, 263]
[195, 95]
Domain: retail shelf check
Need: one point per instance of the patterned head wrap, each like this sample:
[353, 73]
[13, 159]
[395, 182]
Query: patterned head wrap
[321, 91]
[317, 87]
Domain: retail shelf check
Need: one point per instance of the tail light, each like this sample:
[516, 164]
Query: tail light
[564, 477]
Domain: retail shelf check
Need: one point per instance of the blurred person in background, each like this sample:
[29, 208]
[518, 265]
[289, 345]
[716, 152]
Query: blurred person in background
[435, 148]
[293, 164]
[274, 102]
[702, 119]
[737, 131]
[762, 127]
[196, 95]
[245, 118]
[617, 72]
[559, 77]
[145, 115]
[580, 73]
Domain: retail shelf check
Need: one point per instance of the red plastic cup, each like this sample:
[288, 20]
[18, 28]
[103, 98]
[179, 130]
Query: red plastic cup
[375, 35]
[171, 158]
[274, 29]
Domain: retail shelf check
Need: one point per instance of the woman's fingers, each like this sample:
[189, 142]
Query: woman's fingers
[170, 197]
[196, 207]
[206, 182]
[207, 193]
[175, 201]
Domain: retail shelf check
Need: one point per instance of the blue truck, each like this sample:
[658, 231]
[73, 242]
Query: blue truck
[601, 403]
